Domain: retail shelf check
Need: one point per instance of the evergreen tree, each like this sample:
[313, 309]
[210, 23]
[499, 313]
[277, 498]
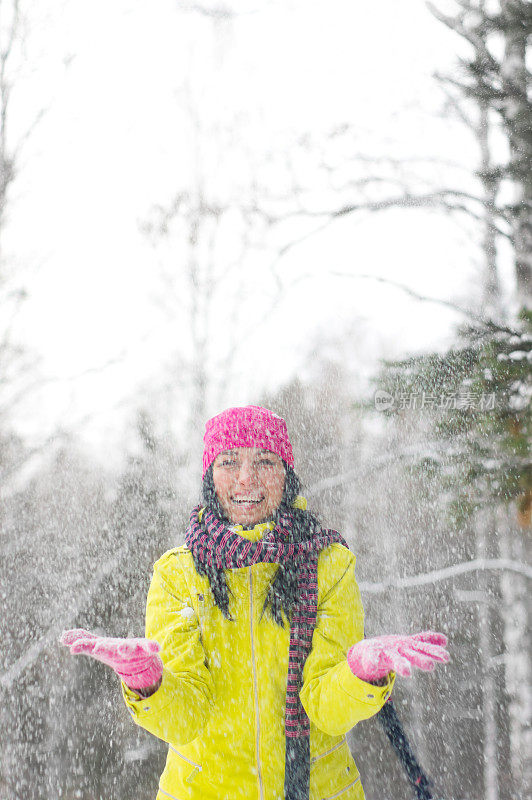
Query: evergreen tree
[480, 392]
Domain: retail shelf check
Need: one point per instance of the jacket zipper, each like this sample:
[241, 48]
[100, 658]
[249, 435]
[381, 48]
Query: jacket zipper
[337, 794]
[197, 767]
[257, 717]
[326, 753]
[172, 796]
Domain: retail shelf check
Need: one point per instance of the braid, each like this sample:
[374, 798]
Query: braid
[209, 496]
[217, 580]
[283, 593]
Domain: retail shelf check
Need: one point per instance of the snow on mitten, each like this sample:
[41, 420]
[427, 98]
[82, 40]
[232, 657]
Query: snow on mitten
[372, 659]
[135, 661]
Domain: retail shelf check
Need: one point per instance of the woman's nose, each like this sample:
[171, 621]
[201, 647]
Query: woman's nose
[245, 474]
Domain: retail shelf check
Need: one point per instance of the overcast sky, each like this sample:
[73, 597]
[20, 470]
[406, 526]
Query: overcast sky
[119, 80]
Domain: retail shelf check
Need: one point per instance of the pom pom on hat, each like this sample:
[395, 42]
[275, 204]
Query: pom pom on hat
[246, 426]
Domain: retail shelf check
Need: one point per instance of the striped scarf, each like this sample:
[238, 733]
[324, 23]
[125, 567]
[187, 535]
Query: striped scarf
[216, 548]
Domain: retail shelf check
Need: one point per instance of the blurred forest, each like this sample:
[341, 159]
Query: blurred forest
[431, 486]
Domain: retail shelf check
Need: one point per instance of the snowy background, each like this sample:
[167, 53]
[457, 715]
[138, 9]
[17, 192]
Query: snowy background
[209, 204]
[270, 105]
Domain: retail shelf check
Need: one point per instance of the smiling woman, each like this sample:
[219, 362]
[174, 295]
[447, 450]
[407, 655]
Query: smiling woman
[255, 664]
[249, 483]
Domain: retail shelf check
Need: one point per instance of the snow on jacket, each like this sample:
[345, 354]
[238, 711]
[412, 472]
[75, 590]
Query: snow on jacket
[221, 704]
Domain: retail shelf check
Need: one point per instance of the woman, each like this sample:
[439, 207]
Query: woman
[254, 667]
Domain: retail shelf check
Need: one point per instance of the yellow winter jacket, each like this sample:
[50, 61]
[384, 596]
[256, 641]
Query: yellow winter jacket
[221, 703]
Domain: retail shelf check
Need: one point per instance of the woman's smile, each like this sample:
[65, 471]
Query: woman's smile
[248, 500]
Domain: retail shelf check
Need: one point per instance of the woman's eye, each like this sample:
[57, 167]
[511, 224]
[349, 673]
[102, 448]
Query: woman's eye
[266, 462]
[228, 463]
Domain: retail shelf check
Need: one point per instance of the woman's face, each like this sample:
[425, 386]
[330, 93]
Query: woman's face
[249, 483]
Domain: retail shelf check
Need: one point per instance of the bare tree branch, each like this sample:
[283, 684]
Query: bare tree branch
[448, 572]
[443, 198]
[417, 296]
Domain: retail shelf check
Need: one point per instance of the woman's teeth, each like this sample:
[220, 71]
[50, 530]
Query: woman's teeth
[247, 501]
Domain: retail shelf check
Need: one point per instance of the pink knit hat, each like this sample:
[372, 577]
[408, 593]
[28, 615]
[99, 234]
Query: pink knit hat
[246, 426]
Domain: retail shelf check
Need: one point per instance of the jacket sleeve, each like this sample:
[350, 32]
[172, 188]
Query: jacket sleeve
[334, 699]
[178, 711]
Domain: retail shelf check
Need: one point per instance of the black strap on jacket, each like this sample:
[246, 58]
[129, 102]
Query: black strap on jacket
[393, 728]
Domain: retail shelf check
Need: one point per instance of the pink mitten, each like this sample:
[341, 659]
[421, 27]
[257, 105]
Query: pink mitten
[136, 661]
[371, 659]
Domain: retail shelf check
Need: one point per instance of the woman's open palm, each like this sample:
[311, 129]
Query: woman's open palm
[136, 661]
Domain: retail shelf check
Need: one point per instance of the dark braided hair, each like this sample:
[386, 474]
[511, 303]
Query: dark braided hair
[282, 593]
